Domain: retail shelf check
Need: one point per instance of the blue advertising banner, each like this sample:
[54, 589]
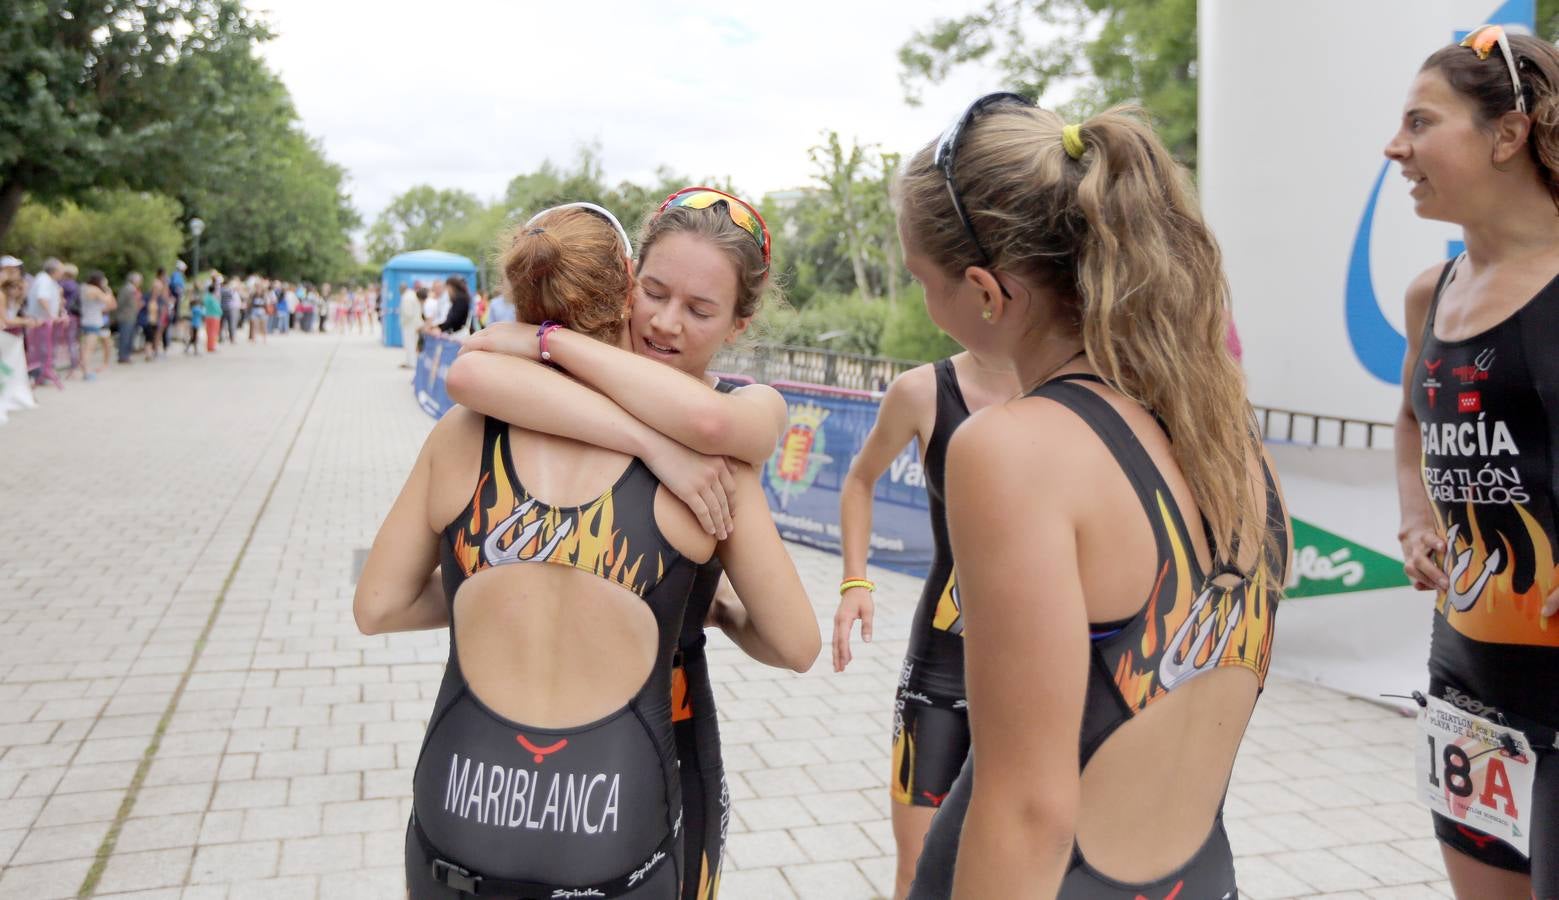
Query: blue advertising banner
[427, 383]
[803, 478]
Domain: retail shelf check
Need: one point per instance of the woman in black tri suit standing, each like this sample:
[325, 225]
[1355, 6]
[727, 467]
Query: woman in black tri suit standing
[1477, 438]
[930, 715]
[1120, 538]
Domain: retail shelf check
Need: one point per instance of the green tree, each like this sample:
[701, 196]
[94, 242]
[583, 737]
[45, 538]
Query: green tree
[271, 200]
[113, 230]
[104, 94]
[1548, 19]
[840, 172]
[1144, 52]
[416, 219]
[285, 214]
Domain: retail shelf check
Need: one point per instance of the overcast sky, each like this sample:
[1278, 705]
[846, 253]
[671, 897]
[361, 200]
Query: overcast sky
[469, 93]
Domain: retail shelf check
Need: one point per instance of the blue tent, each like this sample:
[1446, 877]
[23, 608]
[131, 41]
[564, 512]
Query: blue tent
[426, 266]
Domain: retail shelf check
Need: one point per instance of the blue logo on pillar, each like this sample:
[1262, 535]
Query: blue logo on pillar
[1377, 343]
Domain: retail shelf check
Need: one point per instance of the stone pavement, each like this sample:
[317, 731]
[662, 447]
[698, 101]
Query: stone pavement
[187, 710]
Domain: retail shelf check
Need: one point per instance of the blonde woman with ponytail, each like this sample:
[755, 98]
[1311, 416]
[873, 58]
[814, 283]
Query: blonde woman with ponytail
[1121, 539]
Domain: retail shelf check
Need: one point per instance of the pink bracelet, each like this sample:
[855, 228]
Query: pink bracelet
[541, 333]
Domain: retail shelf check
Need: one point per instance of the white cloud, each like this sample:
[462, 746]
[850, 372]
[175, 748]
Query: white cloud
[469, 93]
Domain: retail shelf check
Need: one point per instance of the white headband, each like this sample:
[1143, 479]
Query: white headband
[601, 211]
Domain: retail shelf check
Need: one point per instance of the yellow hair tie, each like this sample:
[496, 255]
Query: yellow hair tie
[1072, 140]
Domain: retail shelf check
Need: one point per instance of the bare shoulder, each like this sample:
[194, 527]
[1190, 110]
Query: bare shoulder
[763, 394]
[1030, 443]
[917, 386]
[1421, 291]
[459, 428]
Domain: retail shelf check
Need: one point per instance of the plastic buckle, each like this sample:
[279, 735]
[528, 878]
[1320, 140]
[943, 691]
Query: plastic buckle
[447, 873]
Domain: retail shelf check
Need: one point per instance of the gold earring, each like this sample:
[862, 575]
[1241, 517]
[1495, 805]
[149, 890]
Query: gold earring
[986, 314]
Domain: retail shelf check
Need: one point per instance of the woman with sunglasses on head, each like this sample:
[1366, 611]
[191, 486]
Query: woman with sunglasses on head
[1121, 540]
[930, 714]
[543, 772]
[1479, 142]
[702, 271]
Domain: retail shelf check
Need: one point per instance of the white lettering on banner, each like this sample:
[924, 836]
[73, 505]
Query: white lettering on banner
[1468, 438]
[879, 542]
[1488, 485]
[1310, 565]
[1476, 772]
[906, 471]
[572, 801]
[830, 529]
[800, 523]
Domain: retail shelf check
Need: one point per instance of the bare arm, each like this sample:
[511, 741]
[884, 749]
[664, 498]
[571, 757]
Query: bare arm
[1419, 534]
[773, 622]
[745, 424]
[1027, 654]
[399, 588]
[910, 401]
[540, 398]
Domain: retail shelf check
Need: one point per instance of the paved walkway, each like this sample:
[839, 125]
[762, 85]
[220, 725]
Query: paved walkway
[187, 711]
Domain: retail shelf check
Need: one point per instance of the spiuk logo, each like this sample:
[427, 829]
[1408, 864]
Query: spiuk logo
[540, 753]
[1478, 371]
[640, 872]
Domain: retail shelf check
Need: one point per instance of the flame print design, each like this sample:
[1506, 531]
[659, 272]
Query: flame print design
[903, 787]
[1487, 601]
[1183, 633]
[949, 614]
[708, 886]
[508, 526]
[681, 698]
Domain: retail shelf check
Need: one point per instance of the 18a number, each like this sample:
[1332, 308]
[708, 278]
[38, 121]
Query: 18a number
[1458, 769]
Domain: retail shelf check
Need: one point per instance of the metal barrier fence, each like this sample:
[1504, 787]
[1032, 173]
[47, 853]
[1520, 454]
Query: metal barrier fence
[773, 362]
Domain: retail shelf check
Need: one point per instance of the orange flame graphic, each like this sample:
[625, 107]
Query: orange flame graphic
[1501, 614]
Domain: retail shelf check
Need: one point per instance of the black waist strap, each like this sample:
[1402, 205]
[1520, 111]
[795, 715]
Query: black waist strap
[466, 881]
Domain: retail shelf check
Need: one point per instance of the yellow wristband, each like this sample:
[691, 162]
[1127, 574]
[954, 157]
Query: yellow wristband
[856, 582]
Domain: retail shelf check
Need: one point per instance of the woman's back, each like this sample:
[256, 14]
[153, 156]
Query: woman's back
[1180, 645]
[532, 637]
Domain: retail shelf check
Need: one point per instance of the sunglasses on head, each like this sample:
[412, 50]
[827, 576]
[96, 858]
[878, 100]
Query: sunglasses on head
[741, 212]
[1483, 41]
[947, 152]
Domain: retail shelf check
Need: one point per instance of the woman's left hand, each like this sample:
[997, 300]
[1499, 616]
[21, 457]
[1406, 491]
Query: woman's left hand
[512, 338]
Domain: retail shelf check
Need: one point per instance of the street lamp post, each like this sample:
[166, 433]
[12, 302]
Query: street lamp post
[196, 226]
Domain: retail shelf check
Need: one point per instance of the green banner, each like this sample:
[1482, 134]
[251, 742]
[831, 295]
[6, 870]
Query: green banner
[1325, 563]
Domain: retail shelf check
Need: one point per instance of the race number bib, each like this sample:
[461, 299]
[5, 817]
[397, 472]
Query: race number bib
[1476, 772]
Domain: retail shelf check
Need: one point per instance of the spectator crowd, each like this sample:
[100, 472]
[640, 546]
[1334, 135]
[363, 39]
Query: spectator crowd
[56, 325]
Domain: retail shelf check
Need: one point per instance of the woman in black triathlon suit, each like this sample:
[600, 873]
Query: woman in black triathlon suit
[544, 773]
[701, 274]
[930, 709]
[1477, 444]
[1121, 540]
